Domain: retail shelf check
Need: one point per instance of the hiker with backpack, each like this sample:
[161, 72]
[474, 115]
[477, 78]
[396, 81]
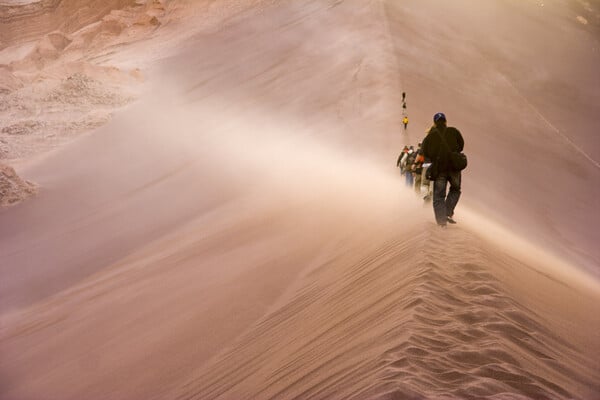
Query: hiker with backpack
[443, 145]
[399, 162]
[426, 182]
[407, 164]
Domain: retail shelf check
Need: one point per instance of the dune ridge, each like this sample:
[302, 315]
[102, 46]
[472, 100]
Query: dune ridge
[435, 320]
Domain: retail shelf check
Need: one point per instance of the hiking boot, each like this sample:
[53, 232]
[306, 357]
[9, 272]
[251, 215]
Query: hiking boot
[451, 221]
[442, 226]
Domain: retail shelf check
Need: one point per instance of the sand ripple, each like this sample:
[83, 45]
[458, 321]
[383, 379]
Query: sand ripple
[427, 318]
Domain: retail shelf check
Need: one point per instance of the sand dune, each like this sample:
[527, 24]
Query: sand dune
[431, 323]
[240, 231]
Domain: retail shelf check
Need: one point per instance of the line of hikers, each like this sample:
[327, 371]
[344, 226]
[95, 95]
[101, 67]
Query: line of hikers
[436, 162]
[413, 167]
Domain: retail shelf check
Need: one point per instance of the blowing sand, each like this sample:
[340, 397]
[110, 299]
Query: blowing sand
[218, 215]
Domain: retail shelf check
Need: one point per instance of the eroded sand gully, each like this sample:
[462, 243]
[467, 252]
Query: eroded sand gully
[234, 227]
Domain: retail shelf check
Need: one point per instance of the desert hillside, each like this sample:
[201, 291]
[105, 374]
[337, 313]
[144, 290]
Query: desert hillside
[200, 200]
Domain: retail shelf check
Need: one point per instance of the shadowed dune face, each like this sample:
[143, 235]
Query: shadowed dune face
[240, 231]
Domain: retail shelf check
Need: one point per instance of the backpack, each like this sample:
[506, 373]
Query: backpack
[458, 161]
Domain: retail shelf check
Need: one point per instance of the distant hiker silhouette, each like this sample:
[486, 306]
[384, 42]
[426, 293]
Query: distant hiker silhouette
[400, 159]
[405, 121]
[438, 145]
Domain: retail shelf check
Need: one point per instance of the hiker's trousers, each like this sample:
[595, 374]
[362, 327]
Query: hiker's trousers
[445, 202]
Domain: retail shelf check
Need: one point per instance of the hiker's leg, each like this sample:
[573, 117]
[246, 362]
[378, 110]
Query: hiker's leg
[454, 193]
[439, 199]
[418, 184]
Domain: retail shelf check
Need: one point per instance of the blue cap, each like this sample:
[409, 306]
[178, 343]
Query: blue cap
[439, 116]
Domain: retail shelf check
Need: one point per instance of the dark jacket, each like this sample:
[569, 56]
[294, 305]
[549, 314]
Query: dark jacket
[437, 151]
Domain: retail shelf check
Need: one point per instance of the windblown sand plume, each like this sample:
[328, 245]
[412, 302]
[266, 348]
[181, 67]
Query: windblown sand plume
[217, 213]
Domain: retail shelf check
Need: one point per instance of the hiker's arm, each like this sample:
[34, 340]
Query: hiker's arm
[460, 141]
